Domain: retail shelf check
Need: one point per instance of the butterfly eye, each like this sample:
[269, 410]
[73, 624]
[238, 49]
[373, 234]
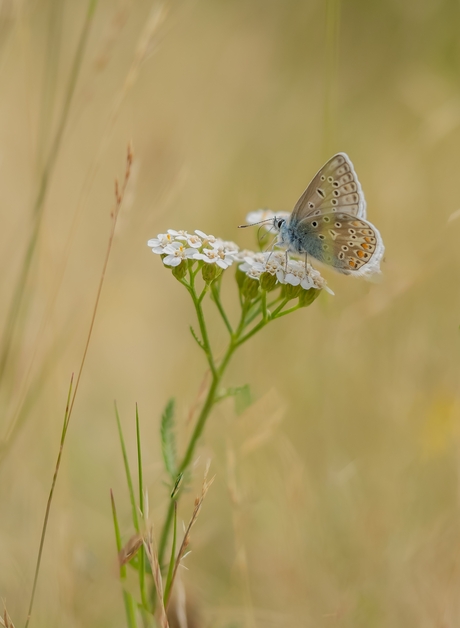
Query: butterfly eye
[280, 223]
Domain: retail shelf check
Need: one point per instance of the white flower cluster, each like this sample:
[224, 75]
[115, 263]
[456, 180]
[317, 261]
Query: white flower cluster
[176, 246]
[287, 271]
[180, 245]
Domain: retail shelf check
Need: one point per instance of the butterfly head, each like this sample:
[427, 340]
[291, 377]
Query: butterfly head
[278, 223]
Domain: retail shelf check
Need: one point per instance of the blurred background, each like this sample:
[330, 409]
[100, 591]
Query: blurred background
[336, 500]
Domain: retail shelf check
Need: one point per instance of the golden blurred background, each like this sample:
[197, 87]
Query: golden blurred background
[336, 500]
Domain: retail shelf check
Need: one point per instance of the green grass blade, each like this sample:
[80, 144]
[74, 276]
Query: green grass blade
[172, 560]
[130, 605]
[128, 473]
[142, 562]
[168, 440]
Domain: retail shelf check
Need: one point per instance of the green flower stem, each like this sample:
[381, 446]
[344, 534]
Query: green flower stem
[263, 301]
[280, 307]
[199, 313]
[199, 427]
[250, 309]
[291, 309]
[211, 399]
[217, 301]
[253, 331]
[203, 293]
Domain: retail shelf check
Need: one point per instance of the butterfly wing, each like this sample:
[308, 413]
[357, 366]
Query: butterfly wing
[334, 188]
[349, 244]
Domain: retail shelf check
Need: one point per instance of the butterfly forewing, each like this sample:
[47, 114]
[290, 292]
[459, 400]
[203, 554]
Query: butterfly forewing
[349, 244]
[334, 188]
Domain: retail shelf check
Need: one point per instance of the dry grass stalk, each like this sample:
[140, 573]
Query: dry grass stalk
[6, 620]
[196, 511]
[119, 193]
[130, 549]
[152, 556]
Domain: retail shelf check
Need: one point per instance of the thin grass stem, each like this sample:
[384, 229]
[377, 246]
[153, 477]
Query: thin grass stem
[18, 295]
[48, 505]
[130, 605]
[141, 567]
[129, 479]
[172, 560]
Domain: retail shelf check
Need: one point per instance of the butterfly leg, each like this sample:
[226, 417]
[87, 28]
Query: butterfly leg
[271, 247]
[286, 261]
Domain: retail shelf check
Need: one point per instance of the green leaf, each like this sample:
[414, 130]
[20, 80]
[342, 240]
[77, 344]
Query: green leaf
[243, 398]
[168, 440]
[241, 394]
[198, 341]
[177, 485]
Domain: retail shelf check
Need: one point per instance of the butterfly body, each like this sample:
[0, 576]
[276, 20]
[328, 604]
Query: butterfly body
[329, 222]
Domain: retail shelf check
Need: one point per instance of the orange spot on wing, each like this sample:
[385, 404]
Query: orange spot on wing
[351, 263]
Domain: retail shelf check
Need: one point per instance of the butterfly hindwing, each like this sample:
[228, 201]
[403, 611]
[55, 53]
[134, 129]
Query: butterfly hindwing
[349, 244]
[334, 188]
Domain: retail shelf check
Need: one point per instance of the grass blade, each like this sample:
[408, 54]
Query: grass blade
[168, 440]
[172, 560]
[141, 566]
[130, 605]
[50, 499]
[127, 473]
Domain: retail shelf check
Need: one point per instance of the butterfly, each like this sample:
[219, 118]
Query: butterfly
[329, 222]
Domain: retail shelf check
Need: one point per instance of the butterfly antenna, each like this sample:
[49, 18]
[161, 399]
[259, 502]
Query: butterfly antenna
[253, 224]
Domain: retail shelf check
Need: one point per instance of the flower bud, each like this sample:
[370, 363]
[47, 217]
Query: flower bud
[240, 276]
[268, 282]
[210, 272]
[250, 288]
[307, 297]
[180, 271]
[291, 292]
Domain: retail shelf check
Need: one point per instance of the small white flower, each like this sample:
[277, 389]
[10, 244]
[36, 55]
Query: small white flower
[179, 235]
[274, 261]
[251, 259]
[207, 239]
[194, 241]
[254, 273]
[216, 255]
[159, 243]
[294, 272]
[229, 246]
[175, 253]
[244, 253]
